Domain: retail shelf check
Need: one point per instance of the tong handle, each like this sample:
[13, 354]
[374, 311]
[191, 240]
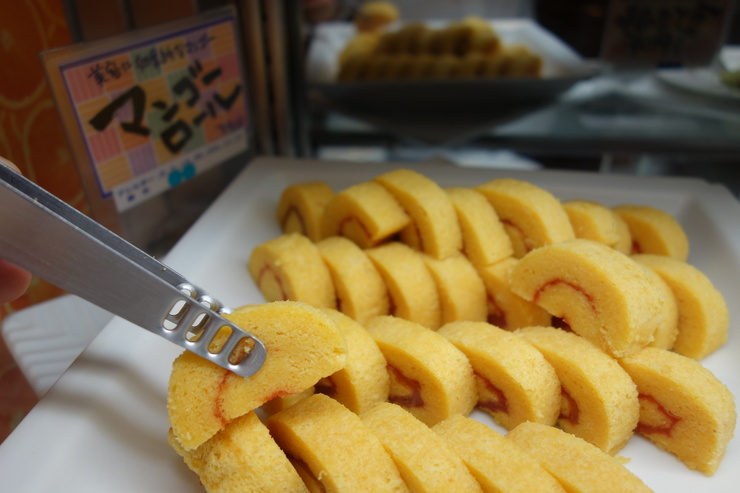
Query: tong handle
[56, 242]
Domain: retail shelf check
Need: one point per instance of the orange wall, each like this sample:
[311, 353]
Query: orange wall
[31, 134]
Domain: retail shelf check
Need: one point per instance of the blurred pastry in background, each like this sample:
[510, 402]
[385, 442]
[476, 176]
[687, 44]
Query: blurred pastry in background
[373, 16]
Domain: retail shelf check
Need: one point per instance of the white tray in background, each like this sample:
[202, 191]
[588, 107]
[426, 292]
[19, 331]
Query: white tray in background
[103, 426]
[424, 109]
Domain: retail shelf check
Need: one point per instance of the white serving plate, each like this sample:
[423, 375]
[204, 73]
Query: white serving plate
[103, 426]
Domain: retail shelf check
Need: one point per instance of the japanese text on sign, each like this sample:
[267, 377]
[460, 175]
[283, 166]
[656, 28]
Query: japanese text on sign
[153, 109]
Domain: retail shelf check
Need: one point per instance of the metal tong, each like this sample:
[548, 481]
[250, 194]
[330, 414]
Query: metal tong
[51, 239]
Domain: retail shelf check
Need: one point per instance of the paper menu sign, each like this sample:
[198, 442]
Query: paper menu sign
[665, 33]
[149, 110]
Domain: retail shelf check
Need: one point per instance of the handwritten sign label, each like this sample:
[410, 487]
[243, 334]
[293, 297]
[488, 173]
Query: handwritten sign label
[156, 113]
[665, 32]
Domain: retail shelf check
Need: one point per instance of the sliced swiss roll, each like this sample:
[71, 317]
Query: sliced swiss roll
[303, 345]
[332, 449]
[578, 465]
[243, 453]
[601, 294]
[599, 399]
[426, 462]
[498, 464]
[703, 317]
[684, 408]
[366, 213]
[430, 377]
[412, 290]
[515, 382]
[434, 228]
[290, 268]
[301, 208]
[364, 380]
[360, 289]
[531, 215]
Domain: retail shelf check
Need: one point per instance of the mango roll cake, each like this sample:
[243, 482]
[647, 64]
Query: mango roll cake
[430, 377]
[579, 466]
[240, 458]
[601, 294]
[684, 409]
[301, 208]
[485, 241]
[374, 15]
[303, 345]
[654, 231]
[599, 399]
[434, 228]
[531, 215]
[514, 380]
[363, 382]
[462, 294]
[360, 289]
[666, 333]
[703, 317]
[366, 213]
[593, 221]
[332, 449]
[497, 463]
[289, 267]
[411, 287]
[426, 462]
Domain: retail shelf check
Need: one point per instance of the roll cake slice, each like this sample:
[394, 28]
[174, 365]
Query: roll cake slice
[600, 294]
[434, 228]
[303, 345]
[684, 408]
[654, 231]
[242, 457]
[666, 333]
[366, 213]
[290, 268]
[462, 294]
[485, 241]
[301, 208]
[579, 466]
[505, 309]
[593, 221]
[514, 380]
[332, 449]
[430, 377]
[599, 399]
[703, 316]
[364, 380]
[624, 244]
[360, 289]
[412, 290]
[498, 464]
[531, 215]
[426, 462]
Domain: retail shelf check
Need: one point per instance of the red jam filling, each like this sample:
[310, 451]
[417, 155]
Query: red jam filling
[498, 402]
[664, 424]
[413, 398]
[569, 408]
[268, 269]
[554, 282]
[292, 211]
[352, 219]
[496, 316]
[519, 232]
[326, 386]
[218, 401]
